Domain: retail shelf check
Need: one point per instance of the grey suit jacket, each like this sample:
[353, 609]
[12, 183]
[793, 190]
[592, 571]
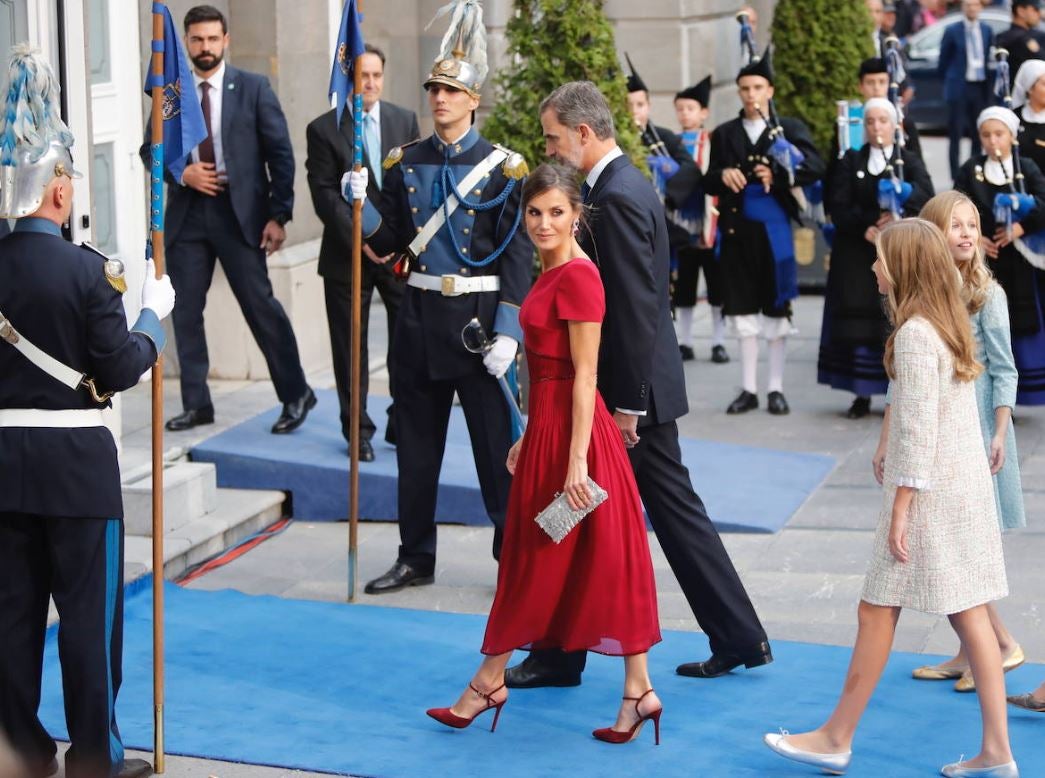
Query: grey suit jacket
[259, 159]
[329, 157]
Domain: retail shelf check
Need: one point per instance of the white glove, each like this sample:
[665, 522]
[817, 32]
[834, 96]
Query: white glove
[157, 293]
[499, 358]
[354, 183]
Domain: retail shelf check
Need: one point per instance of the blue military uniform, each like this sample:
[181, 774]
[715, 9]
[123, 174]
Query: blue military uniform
[481, 249]
[61, 526]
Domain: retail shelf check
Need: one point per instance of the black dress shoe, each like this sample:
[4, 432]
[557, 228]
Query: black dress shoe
[861, 407]
[134, 768]
[294, 413]
[777, 405]
[191, 418]
[390, 429]
[366, 451]
[746, 401]
[399, 577]
[720, 664]
[719, 355]
[687, 353]
[532, 674]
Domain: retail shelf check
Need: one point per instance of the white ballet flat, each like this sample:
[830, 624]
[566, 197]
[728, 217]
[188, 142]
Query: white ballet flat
[832, 764]
[957, 770]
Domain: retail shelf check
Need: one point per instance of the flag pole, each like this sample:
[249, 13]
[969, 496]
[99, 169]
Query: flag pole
[157, 393]
[357, 302]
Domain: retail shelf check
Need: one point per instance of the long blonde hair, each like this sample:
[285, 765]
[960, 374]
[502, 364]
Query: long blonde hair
[923, 281]
[976, 278]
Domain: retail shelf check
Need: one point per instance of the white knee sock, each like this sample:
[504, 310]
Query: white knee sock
[718, 326]
[777, 353]
[684, 325]
[749, 363]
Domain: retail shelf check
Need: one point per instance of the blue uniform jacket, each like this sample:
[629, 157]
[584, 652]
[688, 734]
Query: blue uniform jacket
[409, 197]
[56, 295]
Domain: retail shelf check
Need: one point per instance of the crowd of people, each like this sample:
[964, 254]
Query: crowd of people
[933, 300]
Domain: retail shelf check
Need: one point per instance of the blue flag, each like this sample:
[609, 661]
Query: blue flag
[183, 125]
[349, 46]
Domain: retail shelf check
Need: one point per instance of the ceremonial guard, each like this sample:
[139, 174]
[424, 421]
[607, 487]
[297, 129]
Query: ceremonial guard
[757, 161]
[698, 216]
[1010, 224]
[65, 349]
[450, 207]
[869, 188]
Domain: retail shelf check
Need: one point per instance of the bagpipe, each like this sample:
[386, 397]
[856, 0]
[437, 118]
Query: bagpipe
[894, 192]
[1011, 206]
[850, 125]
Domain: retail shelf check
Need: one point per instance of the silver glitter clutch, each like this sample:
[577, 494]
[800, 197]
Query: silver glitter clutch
[559, 518]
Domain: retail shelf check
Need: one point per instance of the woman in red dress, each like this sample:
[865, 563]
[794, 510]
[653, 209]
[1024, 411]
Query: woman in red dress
[595, 590]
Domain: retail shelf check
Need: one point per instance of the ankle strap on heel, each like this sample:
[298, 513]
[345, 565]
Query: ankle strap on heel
[489, 695]
[637, 700]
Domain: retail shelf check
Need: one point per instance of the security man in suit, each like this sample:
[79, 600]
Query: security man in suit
[64, 349]
[1023, 40]
[385, 126]
[231, 204]
[641, 379]
[477, 263]
[963, 66]
[757, 204]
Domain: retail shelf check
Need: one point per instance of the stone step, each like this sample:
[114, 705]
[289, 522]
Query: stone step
[238, 513]
[189, 491]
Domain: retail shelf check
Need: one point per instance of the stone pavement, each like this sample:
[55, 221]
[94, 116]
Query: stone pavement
[804, 580]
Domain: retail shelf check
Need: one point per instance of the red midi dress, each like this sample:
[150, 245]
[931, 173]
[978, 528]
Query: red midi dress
[594, 590]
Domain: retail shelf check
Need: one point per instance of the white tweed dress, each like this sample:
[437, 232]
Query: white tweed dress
[935, 446]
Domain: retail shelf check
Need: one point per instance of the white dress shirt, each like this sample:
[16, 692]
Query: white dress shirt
[975, 64]
[217, 82]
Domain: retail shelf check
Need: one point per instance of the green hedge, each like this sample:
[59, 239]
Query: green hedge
[551, 42]
[818, 46]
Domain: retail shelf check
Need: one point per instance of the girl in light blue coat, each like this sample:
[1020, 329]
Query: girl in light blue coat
[956, 215]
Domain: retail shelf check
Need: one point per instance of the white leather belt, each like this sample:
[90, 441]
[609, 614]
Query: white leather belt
[33, 417]
[452, 285]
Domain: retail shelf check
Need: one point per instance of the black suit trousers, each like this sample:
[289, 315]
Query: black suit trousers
[692, 546]
[961, 121]
[80, 563]
[339, 321]
[209, 233]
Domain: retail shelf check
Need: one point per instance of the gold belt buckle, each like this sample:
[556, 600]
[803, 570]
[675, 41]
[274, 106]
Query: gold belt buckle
[8, 332]
[449, 288]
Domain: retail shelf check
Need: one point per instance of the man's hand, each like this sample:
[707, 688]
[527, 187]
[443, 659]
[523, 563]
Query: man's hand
[764, 174]
[373, 257]
[204, 178]
[272, 236]
[734, 179]
[354, 183]
[501, 355]
[628, 424]
[157, 293]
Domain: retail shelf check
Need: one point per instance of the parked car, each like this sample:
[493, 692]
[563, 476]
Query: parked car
[923, 53]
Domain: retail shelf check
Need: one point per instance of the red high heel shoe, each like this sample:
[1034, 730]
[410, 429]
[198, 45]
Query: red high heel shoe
[610, 735]
[451, 719]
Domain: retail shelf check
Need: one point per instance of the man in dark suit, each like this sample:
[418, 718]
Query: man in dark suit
[641, 379]
[232, 204]
[385, 126]
[1023, 40]
[963, 67]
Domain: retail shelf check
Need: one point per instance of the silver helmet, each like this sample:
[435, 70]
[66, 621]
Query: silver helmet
[34, 141]
[462, 61]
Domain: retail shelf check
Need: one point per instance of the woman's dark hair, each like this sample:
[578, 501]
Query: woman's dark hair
[550, 176]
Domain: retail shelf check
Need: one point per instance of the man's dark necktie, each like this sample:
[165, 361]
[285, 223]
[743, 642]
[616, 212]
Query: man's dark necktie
[585, 191]
[206, 147]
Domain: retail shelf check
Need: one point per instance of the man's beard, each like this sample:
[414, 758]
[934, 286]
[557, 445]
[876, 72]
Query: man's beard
[208, 61]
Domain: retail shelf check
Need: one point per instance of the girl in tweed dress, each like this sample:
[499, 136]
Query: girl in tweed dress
[938, 544]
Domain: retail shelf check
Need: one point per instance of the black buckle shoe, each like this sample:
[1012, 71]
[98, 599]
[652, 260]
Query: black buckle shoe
[687, 353]
[746, 401]
[400, 576]
[777, 405]
[861, 407]
[531, 673]
[719, 355]
[720, 664]
[134, 768]
[189, 419]
[294, 414]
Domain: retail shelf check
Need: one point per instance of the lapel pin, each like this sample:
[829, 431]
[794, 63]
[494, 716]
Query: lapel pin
[231, 86]
[859, 174]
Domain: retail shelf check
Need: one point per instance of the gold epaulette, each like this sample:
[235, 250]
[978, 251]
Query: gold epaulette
[514, 166]
[395, 156]
[113, 269]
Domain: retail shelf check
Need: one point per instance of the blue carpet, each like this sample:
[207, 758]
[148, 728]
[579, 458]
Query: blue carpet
[339, 688]
[312, 464]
